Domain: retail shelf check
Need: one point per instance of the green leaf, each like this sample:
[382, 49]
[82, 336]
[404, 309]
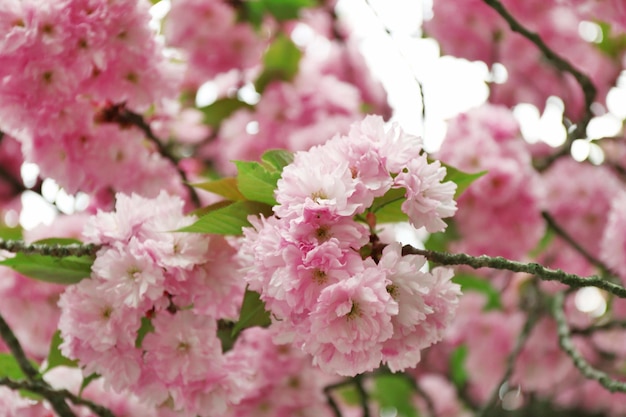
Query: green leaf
[280, 62]
[457, 367]
[287, 9]
[145, 328]
[10, 233]
[282, 10]
[55, 357]
[440, 241]
[67, 270]
[86, 382]
[9, 368]
[349, 394]
[395, 391]
[474, 283]
[388, 207]
[252, 313]
[276, 159]
[256, 183]
[460, 178]
[613, 42]
[221, 109]
[228, 220]
[226, 187]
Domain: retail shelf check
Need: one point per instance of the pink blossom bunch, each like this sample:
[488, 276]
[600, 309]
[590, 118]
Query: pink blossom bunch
[613, 243]
[579, 198]
[351, 313]
[56, 54]
[479, 33]
[211, 39]
[293, 116]
[283, 383]
[500, 213]
[334, 50]
[63, 65]
[181, 283]
[611, 11]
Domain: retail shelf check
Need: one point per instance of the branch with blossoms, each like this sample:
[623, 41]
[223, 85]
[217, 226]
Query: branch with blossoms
[36, 385]
[125, 117]
[587, 86]
[533, 268]
[45, 249]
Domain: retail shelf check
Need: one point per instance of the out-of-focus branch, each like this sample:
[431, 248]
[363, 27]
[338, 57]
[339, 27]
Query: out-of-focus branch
[33, 379]
[58, 251]
[51, 394]
[498, 262]
[329, 396]
[120, 114]
[599, 328]
[363, 396]
[566, 343]
[552, 224]
[588, 88]
[533, 316]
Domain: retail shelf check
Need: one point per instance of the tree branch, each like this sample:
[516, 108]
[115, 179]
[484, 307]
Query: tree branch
[574, 244]
[587, 87]
[566, 343]
[498, 262]
[16, 350]
[533, 316]
[600, 328]
[363, 396]
[58, 403]
[56, 395]
[120, 114]
[57, 251]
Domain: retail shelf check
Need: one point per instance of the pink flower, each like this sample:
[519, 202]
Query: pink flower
[428, 199]
[351, 320]
[183, 347]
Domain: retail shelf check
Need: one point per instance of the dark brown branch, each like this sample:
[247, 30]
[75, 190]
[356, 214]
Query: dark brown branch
[587, 87]
[510, 362]
[125, 117]
[574, 244]
[599, 328]
[52, 395]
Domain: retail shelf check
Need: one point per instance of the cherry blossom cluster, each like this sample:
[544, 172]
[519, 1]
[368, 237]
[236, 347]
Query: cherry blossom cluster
[146, 320]
[63, 66]
[500, 213]
[332, 88]
[191, 25]
[348, 308]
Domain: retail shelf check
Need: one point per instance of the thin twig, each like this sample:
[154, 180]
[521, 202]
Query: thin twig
[587, 87]
[407, 62]
[574, 244]
[56, 250]
[498, 262]
[566, 343]
[611, 325]
[16, 350]
[58, 403]
[120, 114]
[55, 395]
[329, 398]
[510, 362]
[363, 396]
